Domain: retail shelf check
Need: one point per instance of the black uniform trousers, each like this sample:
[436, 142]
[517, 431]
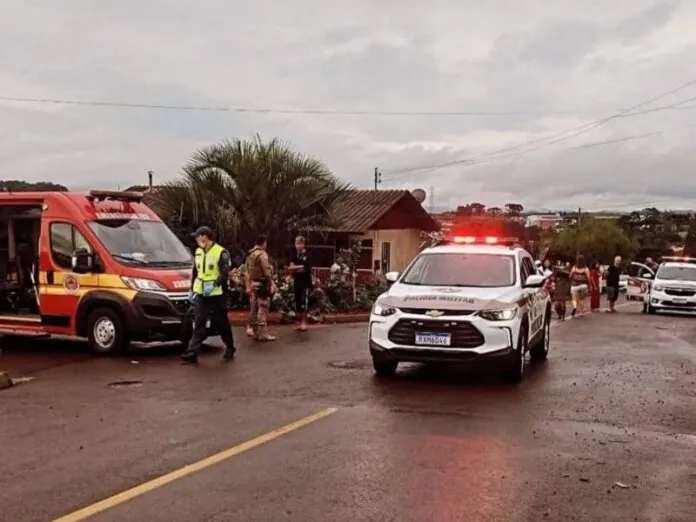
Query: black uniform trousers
[215, 308]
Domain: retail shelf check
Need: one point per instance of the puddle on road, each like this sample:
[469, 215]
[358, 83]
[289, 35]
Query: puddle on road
[125, 384]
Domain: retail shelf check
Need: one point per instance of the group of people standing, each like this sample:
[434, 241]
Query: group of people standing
[574, 283]
[210, 285]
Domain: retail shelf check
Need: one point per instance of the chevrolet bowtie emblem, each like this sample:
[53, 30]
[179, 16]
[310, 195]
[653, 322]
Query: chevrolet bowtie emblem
[434, 313]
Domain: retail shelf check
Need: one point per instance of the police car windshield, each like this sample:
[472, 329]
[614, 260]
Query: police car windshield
[455, 269]
[677, 273]
[141, 242]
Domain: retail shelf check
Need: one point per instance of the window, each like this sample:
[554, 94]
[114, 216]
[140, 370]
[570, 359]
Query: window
[65, 239]
[527, 268]
[677, 273]
[467, 270]
[141, 242]
[386, 257]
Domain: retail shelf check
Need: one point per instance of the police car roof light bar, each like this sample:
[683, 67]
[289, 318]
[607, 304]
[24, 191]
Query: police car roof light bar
[486, 240]
[679, 259]
[115, 195]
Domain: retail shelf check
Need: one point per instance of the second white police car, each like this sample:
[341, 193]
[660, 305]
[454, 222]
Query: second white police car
[469, 299]
[673, 287]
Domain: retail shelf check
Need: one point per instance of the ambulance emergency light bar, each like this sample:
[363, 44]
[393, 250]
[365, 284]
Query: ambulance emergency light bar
[115, 195]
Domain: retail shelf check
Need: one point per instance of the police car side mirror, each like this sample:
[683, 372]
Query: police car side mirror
[534, 281]
[391, 276]
[81, 261]
[648, 276]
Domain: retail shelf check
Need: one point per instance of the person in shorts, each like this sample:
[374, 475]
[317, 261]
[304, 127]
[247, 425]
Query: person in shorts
[579, 285]
[301, 270]
[613, 278]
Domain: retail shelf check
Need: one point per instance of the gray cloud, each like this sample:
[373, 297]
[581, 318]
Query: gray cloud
[558, 64]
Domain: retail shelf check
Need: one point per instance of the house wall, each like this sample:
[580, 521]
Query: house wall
[405, 244]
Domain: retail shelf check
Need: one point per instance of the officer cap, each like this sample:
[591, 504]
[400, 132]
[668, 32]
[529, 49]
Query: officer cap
[203, 231]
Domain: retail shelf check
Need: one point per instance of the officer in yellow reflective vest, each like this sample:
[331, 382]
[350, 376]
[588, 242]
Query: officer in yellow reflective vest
[211, 272]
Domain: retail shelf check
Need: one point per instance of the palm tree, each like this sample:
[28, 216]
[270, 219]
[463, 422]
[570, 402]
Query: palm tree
[246, 187]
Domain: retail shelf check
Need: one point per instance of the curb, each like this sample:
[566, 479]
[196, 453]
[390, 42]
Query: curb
[240, 319]
[5, 381]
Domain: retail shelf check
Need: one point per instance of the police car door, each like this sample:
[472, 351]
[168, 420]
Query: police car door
[536, 318]
[638, 285]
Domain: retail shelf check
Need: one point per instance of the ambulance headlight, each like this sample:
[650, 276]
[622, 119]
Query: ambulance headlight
[503, 314]
[147, 285]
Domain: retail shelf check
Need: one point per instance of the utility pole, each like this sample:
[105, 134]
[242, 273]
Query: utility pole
[378, 177]
[149, 180]
[432, 199]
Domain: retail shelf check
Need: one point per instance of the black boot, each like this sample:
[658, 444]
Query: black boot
[229, 353]
[189, 358]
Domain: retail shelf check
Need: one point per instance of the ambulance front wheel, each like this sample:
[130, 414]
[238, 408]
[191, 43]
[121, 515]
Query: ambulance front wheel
[106, 332]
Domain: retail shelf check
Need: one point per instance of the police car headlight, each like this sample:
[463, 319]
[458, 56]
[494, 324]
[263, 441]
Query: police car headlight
[659, 288]
[137, 283]
[504, 314]
[383, 309]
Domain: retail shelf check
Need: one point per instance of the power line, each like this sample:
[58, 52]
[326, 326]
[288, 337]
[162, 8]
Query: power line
[328, 112]
[560, 136]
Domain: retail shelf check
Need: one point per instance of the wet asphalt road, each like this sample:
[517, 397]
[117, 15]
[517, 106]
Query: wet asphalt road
[615, 403]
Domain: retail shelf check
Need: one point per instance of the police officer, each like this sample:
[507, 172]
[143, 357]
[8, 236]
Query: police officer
[262, 288]
[208, 292]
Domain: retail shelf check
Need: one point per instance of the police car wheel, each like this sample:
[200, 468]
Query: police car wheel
[515, 373]
[540, 351]
[105, 332]
[384, 368]
[650, 309]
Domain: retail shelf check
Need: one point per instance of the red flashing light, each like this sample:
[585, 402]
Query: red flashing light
[464, 239]
[491, 240]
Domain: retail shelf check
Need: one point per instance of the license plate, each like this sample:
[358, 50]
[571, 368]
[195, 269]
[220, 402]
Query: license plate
[680, 300]
[433, 339]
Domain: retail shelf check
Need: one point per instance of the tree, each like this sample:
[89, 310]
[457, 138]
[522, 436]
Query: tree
[597, 239]
[246, 187]
[478, 209]
[14, 185]
[690, 241]
[514, 209]
[495, 211]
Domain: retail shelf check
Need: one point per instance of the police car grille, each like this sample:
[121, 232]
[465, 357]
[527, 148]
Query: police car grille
[443, 313]
[680, 292]
[464, 334]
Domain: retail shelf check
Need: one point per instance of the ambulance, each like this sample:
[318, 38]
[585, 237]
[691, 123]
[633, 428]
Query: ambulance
[99, 265]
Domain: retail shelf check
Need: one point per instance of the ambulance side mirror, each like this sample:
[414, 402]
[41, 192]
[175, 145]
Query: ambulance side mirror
[81, 261]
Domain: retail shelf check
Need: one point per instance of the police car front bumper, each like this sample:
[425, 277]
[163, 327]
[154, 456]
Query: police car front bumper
[660, 300]
[405, 337]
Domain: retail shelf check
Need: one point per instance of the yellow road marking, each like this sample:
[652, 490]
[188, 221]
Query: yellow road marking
[151, 485]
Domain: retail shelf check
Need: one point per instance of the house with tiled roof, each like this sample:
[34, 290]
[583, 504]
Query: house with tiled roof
[389, 224]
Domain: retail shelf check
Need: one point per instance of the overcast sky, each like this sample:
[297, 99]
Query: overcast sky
[549, 65]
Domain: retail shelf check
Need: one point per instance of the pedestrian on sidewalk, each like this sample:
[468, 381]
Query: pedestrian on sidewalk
[209, 284]
[262, 288]
[579, 281]
[595, 286]
[613, 278]
[301, 270]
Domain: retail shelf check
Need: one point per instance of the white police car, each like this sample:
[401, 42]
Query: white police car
[673, 288]
[469, 299]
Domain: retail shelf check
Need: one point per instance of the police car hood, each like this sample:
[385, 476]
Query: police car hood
[450, 298]
[676, 284]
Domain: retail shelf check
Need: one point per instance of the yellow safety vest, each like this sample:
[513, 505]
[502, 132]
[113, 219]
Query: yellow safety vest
[208, 269]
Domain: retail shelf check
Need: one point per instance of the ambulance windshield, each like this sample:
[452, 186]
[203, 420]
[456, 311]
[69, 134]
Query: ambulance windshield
[141, 242]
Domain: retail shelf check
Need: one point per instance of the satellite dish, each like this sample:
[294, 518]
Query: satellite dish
[419, 194]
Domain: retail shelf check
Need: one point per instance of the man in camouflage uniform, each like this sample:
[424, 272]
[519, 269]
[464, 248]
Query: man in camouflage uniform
[262, 287]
